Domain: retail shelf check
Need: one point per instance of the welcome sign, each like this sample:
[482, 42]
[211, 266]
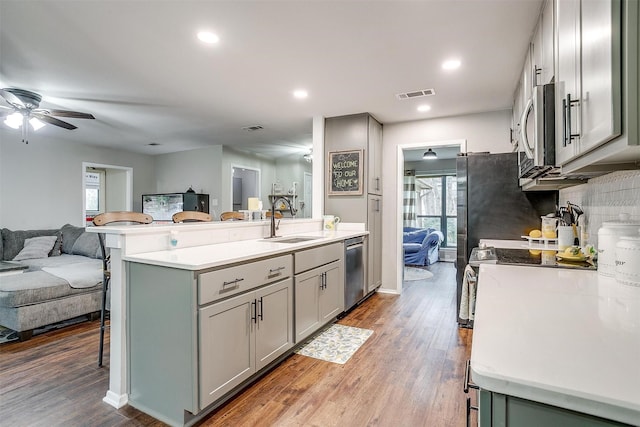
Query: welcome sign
[345, 172]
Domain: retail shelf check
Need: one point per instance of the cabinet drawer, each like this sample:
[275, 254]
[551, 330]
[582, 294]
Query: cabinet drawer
[311, 258]
[230, 281]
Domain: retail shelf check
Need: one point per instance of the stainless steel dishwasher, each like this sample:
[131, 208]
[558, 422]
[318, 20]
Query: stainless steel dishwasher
[354, 283]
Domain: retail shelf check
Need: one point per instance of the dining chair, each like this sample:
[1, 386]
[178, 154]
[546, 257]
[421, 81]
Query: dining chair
[231, 216]
[191, 216]
[277, 215]
[105, 219]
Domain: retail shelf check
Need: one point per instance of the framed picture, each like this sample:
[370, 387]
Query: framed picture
[345, 173]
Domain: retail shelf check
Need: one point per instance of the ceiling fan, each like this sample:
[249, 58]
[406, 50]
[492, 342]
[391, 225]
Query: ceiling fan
[24, 111]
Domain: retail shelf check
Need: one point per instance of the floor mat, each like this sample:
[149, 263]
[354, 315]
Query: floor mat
[413, 273]
[336, 344]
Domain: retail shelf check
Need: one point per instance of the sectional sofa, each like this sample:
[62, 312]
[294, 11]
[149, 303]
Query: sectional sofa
[63, 279]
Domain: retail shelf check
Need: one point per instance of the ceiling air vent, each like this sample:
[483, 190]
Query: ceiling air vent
[416, 94]
[252, 128]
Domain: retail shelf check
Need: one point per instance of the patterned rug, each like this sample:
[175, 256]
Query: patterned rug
[413, 273]
[336, 344]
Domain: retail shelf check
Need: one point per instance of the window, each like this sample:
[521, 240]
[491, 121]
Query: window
[436, 205]
[94, 198]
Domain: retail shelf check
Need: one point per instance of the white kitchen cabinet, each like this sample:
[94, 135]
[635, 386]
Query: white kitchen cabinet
[241, 335]
[542, 47]
[374, 222]
[588, 79]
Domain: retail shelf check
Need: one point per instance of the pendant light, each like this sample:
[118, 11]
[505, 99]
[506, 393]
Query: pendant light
[429, 155]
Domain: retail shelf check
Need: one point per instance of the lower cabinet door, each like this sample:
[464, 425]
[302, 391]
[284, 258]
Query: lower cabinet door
[226, 352]
[306, 305]
[274, 327]
[332, 293]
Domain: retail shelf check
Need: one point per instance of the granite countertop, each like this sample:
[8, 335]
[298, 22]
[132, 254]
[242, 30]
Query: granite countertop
[215, 255]
[567, 338]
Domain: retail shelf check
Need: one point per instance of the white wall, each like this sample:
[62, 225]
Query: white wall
[482, 132]
[200, 169]
[41, 182]
[233, 157]
[115, 178]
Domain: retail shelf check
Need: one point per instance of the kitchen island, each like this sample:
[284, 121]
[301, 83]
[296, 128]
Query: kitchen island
[144, 240]
[203, 322]
[556, 347]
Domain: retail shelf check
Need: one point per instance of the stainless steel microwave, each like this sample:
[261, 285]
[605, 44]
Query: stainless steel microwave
[537, 152]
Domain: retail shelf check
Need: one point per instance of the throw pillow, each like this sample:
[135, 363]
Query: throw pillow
[70, 234]
[88, 245]
[36, 247]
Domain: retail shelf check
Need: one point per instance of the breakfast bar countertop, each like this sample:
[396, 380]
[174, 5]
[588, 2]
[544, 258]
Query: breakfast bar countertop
[566, 338]
[216, 255]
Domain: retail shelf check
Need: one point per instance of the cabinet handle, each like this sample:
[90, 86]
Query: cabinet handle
[378, 183]
[275, 271]
[254, 316]
[570, 103]
[536, 72]
[261, 310]
[564, 122]
[467, 382]
[469, 408]
[232, 282]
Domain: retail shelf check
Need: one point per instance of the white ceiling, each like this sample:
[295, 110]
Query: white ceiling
[138, 68]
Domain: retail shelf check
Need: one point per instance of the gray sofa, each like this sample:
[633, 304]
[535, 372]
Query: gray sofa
[62, 284]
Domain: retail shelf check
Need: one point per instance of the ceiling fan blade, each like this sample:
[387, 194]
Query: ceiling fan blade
[11, 98]
[54, 121]
[66, 113]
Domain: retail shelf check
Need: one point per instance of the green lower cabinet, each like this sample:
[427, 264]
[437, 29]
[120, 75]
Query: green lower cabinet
[499, 410]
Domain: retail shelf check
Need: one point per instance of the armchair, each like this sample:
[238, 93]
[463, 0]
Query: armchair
[421, 245]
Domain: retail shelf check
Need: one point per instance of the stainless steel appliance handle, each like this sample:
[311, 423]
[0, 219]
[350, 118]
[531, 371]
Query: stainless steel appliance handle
[523, 129]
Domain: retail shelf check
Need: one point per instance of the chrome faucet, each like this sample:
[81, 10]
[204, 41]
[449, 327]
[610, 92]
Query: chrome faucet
[274, 202]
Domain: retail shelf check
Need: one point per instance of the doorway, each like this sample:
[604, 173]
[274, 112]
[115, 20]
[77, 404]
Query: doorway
[105, 188]
[407, 154]
[245, 183]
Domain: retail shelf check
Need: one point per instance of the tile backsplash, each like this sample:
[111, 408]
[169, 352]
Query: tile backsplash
[603, 199]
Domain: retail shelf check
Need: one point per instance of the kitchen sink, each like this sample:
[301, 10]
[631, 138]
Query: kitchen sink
[292, 239]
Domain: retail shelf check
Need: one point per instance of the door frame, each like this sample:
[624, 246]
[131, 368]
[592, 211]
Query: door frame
[258, 182]
[128, 190]
[462, 143]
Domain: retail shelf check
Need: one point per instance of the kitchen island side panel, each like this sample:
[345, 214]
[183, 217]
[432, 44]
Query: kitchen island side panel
[162, 325]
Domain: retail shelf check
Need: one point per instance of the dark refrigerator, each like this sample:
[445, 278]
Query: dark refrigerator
[491, 205]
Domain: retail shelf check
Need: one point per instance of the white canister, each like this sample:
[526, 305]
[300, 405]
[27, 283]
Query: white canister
[608, 236]
[628, 260]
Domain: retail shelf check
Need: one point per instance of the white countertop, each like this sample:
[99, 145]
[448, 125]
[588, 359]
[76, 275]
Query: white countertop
[567, 338]
[215, 255]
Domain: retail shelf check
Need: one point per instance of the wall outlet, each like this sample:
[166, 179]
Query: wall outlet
[214, 202]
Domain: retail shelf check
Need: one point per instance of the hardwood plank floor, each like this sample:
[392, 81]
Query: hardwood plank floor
[410, 372]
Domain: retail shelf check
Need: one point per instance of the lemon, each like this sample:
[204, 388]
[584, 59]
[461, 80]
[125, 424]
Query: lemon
[572, 251]
[550, 234]
[534, 252]
[535, 234]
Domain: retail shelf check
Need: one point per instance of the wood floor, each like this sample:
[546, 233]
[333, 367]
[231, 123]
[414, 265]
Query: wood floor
[410, 372]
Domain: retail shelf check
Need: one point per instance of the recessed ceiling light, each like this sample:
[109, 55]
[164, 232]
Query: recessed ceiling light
[451, 64]
[300, 93]
[208, 37]
[423, 108]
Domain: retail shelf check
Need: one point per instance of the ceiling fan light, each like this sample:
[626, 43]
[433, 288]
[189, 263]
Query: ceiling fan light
[429, 155]
[36, 123]
[14, 120]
